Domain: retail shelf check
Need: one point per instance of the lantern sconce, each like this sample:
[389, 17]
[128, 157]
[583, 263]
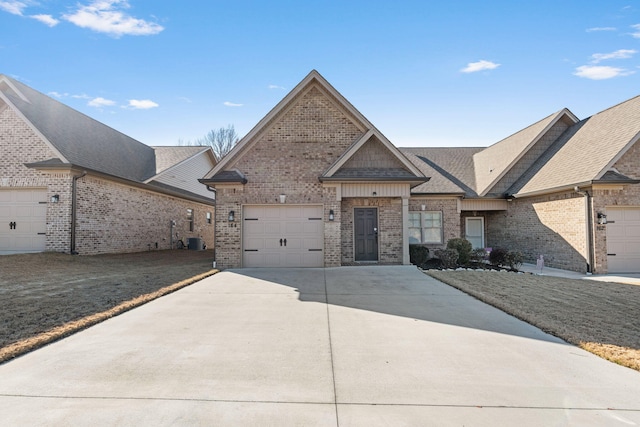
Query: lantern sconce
[55, 198]
[283, 198]
[602, 218]
[423, 207]
[331, 215]
[232, 216]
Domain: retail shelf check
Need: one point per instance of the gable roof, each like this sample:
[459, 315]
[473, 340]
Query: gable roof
[394, 167]
[224, 170]
[168, 156]
[79, 139]
[586, 152]
[493, 163]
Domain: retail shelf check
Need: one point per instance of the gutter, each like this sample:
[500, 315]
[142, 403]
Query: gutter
[215, 224]
[589, 217]
[74, 185]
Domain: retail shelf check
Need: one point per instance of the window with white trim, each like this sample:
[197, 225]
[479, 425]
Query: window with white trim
[425, 227]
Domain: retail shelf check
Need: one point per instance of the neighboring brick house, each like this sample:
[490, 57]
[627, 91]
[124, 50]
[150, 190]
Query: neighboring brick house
[563, 188]
[71, 184]
[316, 184]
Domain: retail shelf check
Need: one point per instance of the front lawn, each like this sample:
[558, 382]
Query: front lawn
[600, 317]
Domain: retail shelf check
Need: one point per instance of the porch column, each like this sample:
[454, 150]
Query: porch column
[405, 231]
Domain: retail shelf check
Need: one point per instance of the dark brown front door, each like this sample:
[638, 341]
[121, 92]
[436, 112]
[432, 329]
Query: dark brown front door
[366, 234]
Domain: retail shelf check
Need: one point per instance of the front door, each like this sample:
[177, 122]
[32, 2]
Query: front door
[366, 234]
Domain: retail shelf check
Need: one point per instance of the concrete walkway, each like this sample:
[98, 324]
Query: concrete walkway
[630, 279]
[352, 346]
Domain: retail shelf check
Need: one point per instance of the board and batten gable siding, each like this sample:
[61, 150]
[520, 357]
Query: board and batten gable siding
[185, 175]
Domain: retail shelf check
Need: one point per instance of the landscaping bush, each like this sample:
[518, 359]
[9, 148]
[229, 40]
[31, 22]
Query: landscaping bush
[514, 259]
[449, 257]
[463, 247]
[478, 255]
[498, 257]
[418, 255]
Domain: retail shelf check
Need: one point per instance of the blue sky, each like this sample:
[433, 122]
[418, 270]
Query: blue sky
[459, 73]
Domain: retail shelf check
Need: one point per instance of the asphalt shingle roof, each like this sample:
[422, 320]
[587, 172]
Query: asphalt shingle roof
[82, 140]
[170, 156]
[451, 169]
[586, 151]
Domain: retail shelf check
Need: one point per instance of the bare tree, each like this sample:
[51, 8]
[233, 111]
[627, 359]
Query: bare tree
[221, 141]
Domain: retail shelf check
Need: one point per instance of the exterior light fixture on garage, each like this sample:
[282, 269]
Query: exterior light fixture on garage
[331, 215]
[602, 218]
[55, 198]
[283, 198]
[232, 216]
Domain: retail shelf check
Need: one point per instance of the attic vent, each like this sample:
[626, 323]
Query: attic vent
[490, 170]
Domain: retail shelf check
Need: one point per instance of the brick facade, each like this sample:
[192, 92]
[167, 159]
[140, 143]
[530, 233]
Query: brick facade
[111, 216]
[551, 225]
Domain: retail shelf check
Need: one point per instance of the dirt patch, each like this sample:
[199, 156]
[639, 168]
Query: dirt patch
[49, 295]
[601, 317]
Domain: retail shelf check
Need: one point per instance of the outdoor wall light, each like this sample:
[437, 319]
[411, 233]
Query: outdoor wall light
[331, 215]
[55, 198]
[602, 218]
[423, 207]
[232, 216]
[283, 198]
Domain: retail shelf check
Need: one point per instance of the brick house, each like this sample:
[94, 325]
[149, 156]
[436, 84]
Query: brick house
[71, 184]
[314, 183]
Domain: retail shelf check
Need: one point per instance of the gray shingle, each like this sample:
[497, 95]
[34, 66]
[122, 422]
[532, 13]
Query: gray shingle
[82, 140]
[585, 151]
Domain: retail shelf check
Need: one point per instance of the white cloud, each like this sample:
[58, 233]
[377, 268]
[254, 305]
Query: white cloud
[107, 16]
[81, 96]
[101, 102]
[594, 29]
[276, 87]
[13, 7]
[636, 33]
[600, 72]
[618, 54]
[46, 19]
[141, 104]
[481, 65]
[231, 104]
[57, 94]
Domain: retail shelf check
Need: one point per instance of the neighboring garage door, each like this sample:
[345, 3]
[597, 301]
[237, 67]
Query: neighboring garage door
[623, 240]
[23, 221]
[283, 236]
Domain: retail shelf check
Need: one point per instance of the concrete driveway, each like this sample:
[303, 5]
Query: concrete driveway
[352, 346]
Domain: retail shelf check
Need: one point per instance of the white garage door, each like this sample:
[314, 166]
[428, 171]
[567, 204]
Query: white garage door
[23, 221]
[283, 236]
[623, 240]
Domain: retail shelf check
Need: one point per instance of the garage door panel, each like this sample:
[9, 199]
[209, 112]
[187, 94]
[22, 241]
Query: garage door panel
[27, 208]
[623, 240]
[283, 222]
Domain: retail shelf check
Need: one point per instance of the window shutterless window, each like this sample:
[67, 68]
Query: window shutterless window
[425, 227]
[190, 219]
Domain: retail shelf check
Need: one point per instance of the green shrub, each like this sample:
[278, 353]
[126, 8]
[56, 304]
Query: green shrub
[449, 257]
[478, 255]
[514, 259]
[498, 257]
[463, 247]
[418, 254]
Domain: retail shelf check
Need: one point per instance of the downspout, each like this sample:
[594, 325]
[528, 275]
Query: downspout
[73, 212]
[589, 216]
[215, 224]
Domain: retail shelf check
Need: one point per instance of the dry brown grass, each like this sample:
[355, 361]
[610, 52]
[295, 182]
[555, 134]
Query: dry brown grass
[47, 296]
[601, 317]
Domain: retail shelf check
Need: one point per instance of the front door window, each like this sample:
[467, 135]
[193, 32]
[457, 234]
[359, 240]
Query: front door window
[474, 231]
